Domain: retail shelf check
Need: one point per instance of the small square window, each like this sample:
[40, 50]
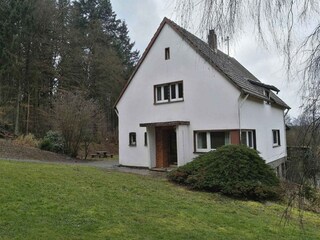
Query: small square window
[167, 53]
[132, 139]
[276, 137]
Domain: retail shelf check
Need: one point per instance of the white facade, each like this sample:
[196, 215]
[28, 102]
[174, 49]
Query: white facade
[264, 118]
[210, 102]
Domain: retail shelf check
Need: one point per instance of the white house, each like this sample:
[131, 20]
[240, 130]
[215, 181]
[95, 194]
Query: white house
[186, 97]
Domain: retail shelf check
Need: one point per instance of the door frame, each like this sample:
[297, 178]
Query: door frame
[162, 137]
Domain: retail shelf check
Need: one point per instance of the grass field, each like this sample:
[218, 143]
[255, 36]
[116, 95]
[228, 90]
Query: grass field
[42, 201]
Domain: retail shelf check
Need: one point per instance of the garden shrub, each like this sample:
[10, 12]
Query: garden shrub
[28, 140]
[181, 174]
[53, 142]
[233, 170]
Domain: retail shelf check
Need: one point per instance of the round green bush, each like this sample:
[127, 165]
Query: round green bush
[234, 170]
[53, 142]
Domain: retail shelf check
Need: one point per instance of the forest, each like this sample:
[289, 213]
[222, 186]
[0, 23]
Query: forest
[63, 64]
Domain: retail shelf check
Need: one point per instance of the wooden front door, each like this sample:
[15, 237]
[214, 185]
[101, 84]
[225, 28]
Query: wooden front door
[166, 147]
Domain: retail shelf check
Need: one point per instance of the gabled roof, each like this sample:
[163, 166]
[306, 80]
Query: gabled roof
[226, 65]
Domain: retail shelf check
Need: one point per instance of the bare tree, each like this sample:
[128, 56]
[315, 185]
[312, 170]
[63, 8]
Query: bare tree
[276, 21]
[77, 118]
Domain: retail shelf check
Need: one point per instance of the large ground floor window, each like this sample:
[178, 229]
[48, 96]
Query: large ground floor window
[210, 140]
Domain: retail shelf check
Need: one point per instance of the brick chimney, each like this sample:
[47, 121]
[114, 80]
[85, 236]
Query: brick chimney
[212, 40]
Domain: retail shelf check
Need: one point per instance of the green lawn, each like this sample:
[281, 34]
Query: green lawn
[42, 201]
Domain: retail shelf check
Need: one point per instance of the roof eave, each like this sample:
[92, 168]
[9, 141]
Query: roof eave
[284, 106]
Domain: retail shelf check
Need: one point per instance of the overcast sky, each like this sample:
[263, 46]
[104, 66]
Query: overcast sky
[144, 16]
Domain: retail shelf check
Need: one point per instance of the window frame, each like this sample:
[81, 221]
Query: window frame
[167, 53]
[161, 88]
[145, 139]
[253, 134]
[208, 140]
[276, 137]
[197, 142]
[132, 136]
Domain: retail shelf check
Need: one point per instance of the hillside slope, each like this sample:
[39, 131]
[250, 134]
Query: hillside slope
[45, 201]
[10, 151]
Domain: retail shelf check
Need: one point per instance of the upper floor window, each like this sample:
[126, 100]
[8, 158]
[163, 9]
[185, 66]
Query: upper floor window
[276, 137]
[132, 139]
[170, 92]
[210, 140]
[145, 138]
[167, 53]
[248, 138]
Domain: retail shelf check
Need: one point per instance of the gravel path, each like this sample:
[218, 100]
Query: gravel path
[101, 164]
[11, 152]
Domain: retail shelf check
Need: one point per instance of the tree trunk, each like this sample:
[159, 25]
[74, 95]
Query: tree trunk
[28, 114]
[26, 74]
[17, 121]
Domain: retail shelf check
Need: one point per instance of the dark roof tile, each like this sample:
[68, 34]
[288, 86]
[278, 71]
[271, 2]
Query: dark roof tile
[229, 66]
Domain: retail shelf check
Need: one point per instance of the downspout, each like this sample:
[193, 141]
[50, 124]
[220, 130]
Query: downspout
[286, 112]
[284, 118]
[285, 127]
[240, 104]
[116, 110]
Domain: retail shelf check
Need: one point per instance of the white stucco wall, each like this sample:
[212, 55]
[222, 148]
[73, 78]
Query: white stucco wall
[210, 101]
[264, 118]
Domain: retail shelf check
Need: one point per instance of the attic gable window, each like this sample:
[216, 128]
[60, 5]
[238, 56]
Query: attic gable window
[169, 92]
[167, 53]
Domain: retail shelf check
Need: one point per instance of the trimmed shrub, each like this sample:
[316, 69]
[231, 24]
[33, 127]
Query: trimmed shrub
[234, 170]
[53, 142]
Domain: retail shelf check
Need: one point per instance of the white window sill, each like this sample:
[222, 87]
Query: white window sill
[176, 100]
[164, 102]
[204, 150]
